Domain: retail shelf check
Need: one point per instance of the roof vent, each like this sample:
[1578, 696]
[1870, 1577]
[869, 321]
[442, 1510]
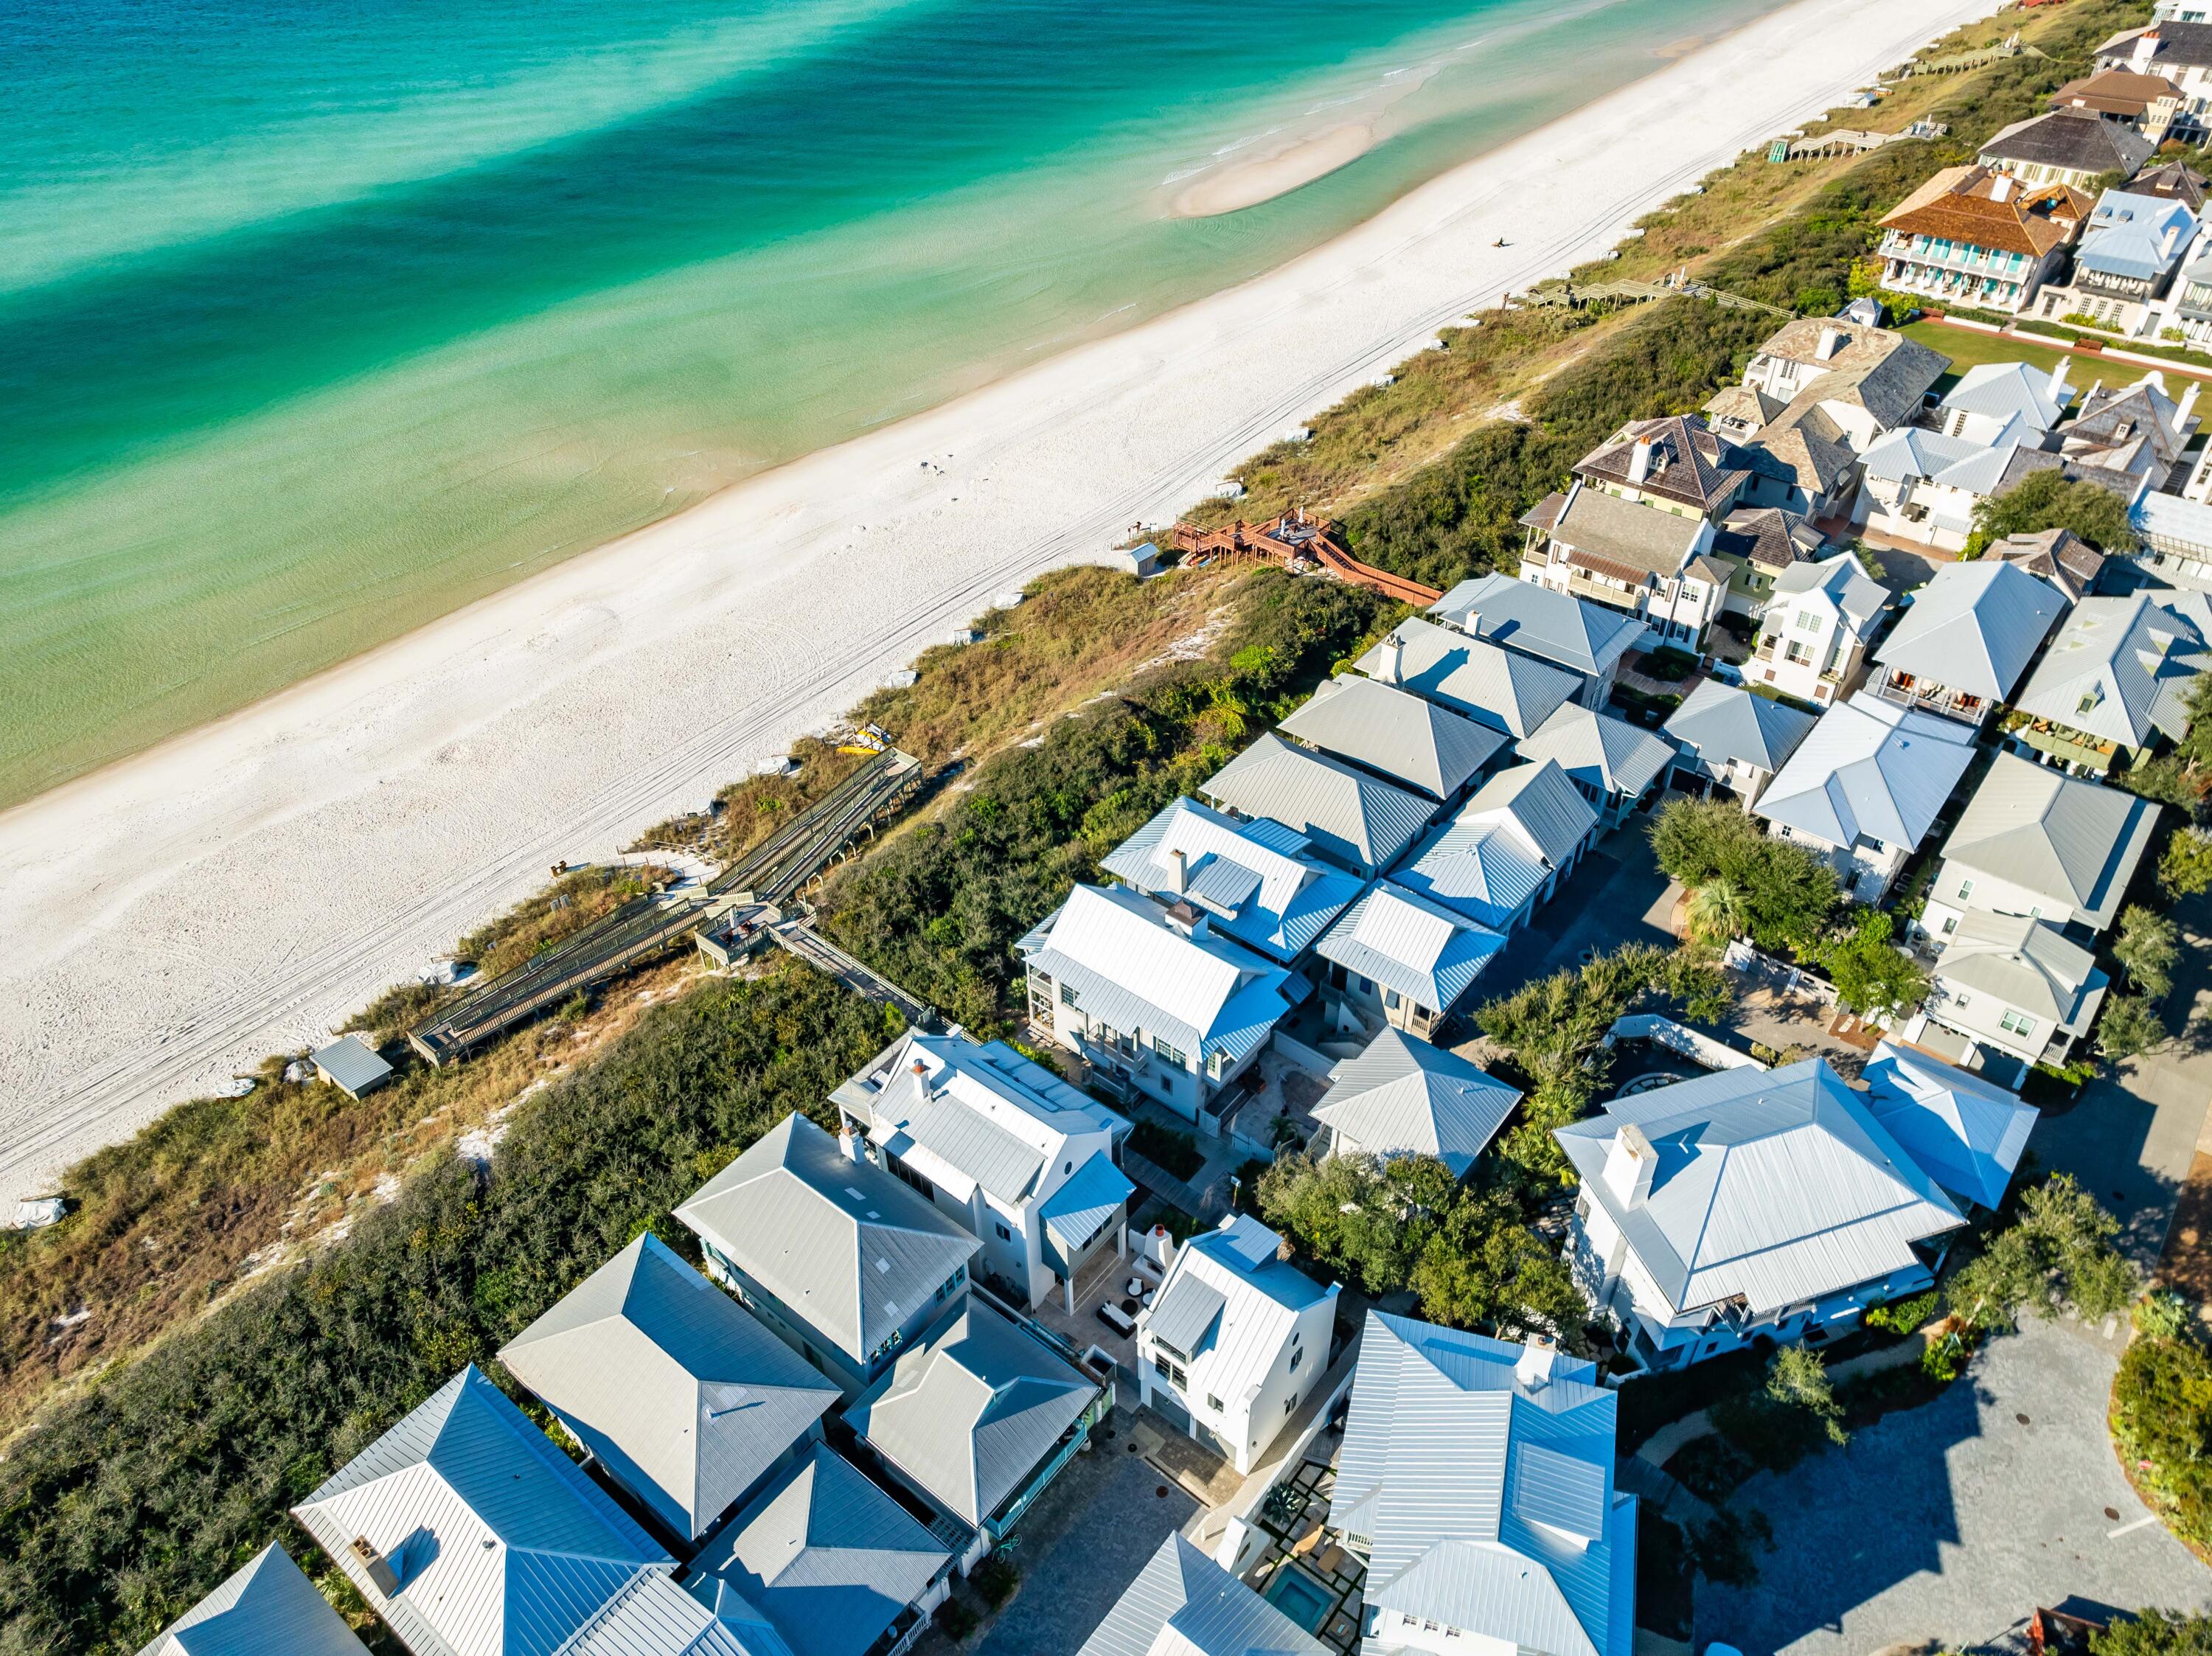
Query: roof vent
[852, 1191]
[883, 1265]
[1532, 1373]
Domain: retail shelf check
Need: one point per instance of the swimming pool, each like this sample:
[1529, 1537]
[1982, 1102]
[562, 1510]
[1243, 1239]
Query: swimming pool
[1300, 1598]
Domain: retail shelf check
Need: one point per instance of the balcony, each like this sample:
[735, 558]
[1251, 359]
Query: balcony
[1603, 592]
[1925, 693]
[2063, 743]
[1976, 261]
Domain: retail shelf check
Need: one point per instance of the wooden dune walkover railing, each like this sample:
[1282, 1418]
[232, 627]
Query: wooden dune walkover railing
[1295, 540]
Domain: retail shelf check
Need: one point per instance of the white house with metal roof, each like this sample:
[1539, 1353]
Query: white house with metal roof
[266, 1608]
[1476, 1479]
[2130, 251]
[1152, 997]
[1993, 400]
[654, 1616]
[669, 1383]
[1404, 1097]
[1399, 961]
[1234, 1337]
[1746, 1204]
[1494, 685]
[1355, 820]
[2034, 841]
[1183, 1603]
[1865, 787]
[1612, 764]
[844, 1261]
[2114, 680]
[1817, 628]
[1021, 1159]
[2012, 984]
[470, 1534]
[1923, 484]
[1588, 639]
[1967, 1131]
[1259, 881]
[980, 1419]
[829, 1560]
[1508, 849]
[1401, 737]
[1967, 639]
[1728, 737]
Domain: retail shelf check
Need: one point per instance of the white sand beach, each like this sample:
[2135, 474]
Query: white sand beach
[1265, 177]
[240, 890]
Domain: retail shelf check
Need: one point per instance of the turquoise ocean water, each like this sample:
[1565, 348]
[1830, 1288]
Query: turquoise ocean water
[321, 317]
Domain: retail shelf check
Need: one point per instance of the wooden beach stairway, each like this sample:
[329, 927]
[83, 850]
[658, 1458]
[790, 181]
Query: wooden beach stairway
[1295, 540]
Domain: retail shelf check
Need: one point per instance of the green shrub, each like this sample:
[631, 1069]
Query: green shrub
[2162, 1421]
[956, 1621]
[1168, 1149]
[996, 1578]
[1903, 1316]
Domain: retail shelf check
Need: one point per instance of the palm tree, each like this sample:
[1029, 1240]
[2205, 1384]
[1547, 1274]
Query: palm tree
[1719, 912]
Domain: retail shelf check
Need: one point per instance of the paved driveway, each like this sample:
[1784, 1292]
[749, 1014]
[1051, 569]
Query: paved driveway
[1952, 1521]
[1614, 897]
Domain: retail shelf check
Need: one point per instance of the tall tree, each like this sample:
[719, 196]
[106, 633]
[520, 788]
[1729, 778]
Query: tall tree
[2059, 1251]
[2046, 500]
[2147, 945]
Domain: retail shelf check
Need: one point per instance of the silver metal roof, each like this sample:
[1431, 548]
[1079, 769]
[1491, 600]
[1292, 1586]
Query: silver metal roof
[1420, 949]
[1183, 1603]
[1974, 627]
[501, 1545]
[2000, 391]
[1521, 826]
[1777, 1186]
[352, 1064]
[1130, 967]
[1354, 819]
[1403, 1094]
[267, 1608]
[1096, 1194]
[841, 1244]
[970, 1414]
[1721, 722]
[2024, 963]
[1871, 769]
[1965, 1132]
[1856, 596]
[2058, 836]
[1396, 733]
[680, 1394]
[654, 1616]
[2120, 669]
[829, 1559]
[1583, 638]
[1491, 685]
[1599, 750]
[1480, 1475]
[1259, 880]
[1185, 1311]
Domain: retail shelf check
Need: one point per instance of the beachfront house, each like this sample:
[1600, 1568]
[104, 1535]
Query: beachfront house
[1507, 849]
[1587, 639]
[2034, 841]
[2128, 257]
[1635, 530]
[1354, 819]
[1260, 881]
[2114, 681]
[978, 1420]
[2150, 104]
[848, 1265]
[1966, 1131]
[2071, 147]
[827, 1563]
[1868, 381]
[1743, 1205]
[2177, 49]
[1183, 1603]
[1023, 1161]
[1476, 1481]
[1234, 1337]
[1401, 1096]
[1507, 690]
[1155, 1002]
[1865, 787]
[470, 1534]
[1817, 628]
[1973, 235]
[2009, 984]
[1726, 738]
[1965, 641]
[1407, 740]
[267, 1605]
[1399, 961]
[673, 1388]
[1614, 765]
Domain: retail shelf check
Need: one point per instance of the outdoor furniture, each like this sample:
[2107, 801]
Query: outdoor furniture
[1331, 1559]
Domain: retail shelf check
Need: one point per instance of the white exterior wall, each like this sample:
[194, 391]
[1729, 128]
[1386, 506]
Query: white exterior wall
[1954, 891]
[1395, 1630]
[1257, 1403]
[1179, 1087]
[1865, 872]
[1829, 644]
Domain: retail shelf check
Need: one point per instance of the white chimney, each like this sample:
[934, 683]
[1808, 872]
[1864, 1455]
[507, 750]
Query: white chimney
[1393, 658]
[1178, 871]
[848, 1143]
[1532, 1372]
[2145, 49]
[2181, 412]
[1832, 339]
[1629, 1164]
[2000, 186]
[2172, 235]
[2058, 379]
[1640, 459]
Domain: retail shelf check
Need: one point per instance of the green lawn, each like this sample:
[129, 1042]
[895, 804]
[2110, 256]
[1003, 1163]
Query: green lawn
[1967, 348]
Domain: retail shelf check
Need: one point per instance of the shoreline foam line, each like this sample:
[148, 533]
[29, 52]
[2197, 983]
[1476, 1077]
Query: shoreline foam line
[235, 891]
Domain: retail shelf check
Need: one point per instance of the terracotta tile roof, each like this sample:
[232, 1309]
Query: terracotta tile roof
[1961, 205]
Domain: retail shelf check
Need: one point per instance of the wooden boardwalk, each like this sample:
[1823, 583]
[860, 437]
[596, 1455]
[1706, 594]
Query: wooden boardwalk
[1295, 541]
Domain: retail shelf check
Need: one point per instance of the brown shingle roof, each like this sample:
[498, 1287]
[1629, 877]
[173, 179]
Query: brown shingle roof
[2114, 92]
[1690, 462]
[1961, 205]
[2078, 140]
